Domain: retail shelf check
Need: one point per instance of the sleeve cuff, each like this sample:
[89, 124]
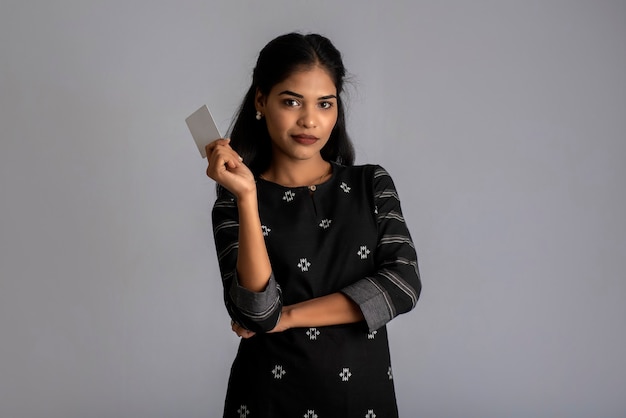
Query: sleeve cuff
[372, 301]
[257, 306]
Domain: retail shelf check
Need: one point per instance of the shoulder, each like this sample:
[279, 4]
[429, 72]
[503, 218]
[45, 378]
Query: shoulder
[367, 173]
[363, 170]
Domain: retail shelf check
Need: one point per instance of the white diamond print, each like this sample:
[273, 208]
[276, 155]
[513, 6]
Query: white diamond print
[389, 373]
[278, 372]
[304, 264]
[370, 414]
[310, 414]
[325, 223]
[313, 333]
[372, 335]
[345, 187]
[266, 230]
[243, 411]
[289, 195]
[345, 374]
[363, 252]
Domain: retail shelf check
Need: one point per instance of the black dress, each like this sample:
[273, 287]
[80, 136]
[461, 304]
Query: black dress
[345, 235]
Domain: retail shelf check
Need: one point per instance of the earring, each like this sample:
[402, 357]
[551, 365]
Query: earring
[259, 115]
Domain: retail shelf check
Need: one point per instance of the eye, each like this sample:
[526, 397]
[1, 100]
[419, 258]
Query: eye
[326, 105]
[291, 102]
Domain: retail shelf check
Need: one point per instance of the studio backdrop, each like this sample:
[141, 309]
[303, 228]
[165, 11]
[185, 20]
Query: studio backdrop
[502, 123]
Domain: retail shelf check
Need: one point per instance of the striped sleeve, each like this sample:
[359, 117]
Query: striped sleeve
[256, 311]
[395, 287]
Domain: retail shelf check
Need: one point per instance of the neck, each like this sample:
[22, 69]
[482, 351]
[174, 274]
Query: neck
[299, 173]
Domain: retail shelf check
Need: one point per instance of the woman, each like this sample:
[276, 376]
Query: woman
[314, 252]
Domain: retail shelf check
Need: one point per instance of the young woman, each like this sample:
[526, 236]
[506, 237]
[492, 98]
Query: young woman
[314, 252]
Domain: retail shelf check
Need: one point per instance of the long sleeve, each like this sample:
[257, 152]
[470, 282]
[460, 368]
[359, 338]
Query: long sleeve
[395, 287]
[256, 311]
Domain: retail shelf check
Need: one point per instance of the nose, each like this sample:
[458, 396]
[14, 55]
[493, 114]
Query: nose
[307, 118]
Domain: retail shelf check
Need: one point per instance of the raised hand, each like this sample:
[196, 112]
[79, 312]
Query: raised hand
[227, 168]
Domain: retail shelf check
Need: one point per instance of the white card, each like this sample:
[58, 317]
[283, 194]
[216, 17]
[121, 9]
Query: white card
[203, 128]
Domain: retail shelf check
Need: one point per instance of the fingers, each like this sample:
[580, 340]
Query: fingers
[222, 142]
[241, 331]
[220, 155]
[211, 146]
[228, 169]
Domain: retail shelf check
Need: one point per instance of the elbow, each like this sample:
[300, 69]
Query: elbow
[261, 325]
[256, 311]
[258, 321]
[417, 290]
[406, 297]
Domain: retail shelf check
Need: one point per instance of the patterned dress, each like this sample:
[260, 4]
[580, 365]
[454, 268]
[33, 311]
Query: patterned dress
[346, 235]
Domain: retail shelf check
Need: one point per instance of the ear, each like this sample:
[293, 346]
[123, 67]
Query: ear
[259, 101]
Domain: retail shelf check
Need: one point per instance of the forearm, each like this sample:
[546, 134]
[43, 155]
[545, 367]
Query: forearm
[333, 309]
[253, 264]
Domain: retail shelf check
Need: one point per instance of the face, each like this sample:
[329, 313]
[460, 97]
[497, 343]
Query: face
[300, 112]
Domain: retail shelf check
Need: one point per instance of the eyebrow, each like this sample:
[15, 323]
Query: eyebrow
[299, 96]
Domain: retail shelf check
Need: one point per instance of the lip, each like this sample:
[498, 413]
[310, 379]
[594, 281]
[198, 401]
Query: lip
[305, 139]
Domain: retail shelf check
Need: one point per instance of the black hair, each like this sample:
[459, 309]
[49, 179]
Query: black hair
[280, 58]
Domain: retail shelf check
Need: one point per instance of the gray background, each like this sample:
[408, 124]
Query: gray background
[502, 122]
